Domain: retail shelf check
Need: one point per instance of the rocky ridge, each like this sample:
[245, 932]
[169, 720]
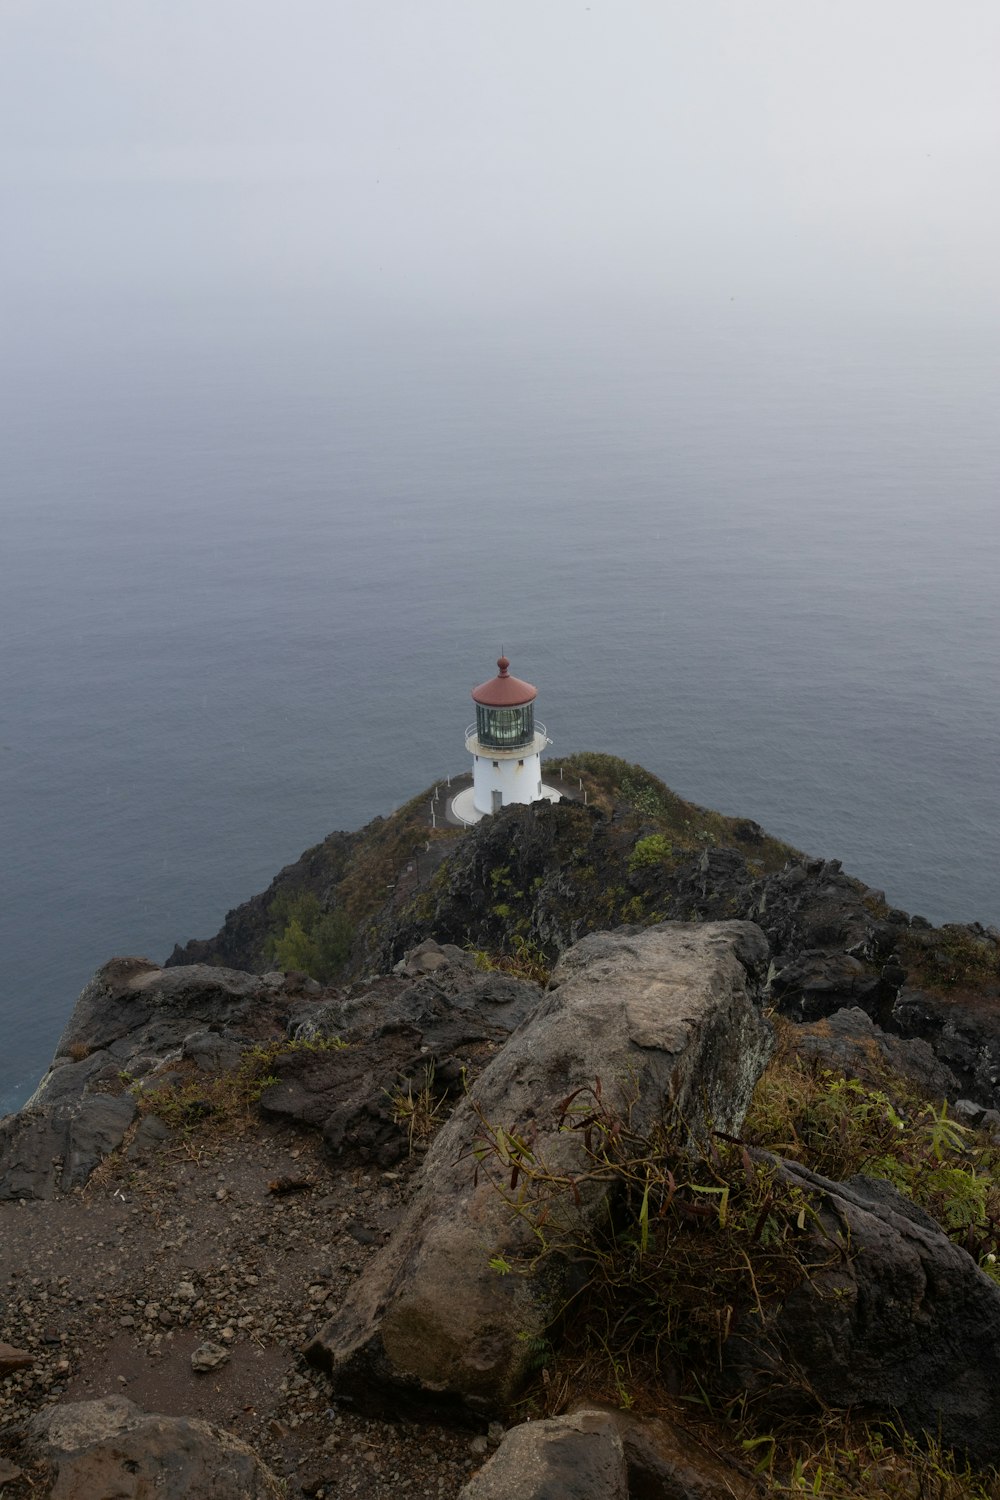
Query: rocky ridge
[242, 1216]
[538, 879]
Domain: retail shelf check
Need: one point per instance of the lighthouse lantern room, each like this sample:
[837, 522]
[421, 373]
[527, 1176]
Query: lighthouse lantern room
[505, 742]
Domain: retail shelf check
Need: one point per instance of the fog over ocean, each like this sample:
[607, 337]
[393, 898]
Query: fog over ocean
[249, 585]
[341, 344]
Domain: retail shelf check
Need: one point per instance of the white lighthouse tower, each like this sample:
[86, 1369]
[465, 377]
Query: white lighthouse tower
[506, 744]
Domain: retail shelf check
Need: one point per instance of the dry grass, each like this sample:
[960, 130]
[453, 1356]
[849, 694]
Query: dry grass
[693, 1241]
[611, 782]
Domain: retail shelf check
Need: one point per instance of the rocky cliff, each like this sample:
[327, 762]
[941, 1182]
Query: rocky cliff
[623, 1118]
[522, 887]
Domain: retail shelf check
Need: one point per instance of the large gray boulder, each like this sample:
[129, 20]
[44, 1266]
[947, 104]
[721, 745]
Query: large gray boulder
[894, 1318]
[596, 1453]
[667, 1019]
[112, 1447]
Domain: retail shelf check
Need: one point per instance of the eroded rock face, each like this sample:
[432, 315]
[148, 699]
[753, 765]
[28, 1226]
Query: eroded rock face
[42, 1150]
[438, 1016]
[436, 1032]
[852, 1043]
[129, 1019]
[114, 1448]
[667, 1016]
[894, 1318]
[964, 1031]
[579, 1457]
[347, 1094]
[132, 1008]
[436, 991]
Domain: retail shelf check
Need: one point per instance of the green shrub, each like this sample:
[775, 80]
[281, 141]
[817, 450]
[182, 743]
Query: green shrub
[312, 940]
[950, 957]
[222, 1102]
[695, 1240]
[653, 850]
[525, 961]
[691, 1240]
[838, 1126]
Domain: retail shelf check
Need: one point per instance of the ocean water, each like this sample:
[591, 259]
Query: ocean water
[253, 561]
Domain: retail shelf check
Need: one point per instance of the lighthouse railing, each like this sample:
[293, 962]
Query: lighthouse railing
[472, 733]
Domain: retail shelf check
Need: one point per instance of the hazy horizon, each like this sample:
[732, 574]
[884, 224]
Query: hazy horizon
[343, 342]
[461, 157]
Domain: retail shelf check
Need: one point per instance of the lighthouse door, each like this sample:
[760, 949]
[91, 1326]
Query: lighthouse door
[497, 800]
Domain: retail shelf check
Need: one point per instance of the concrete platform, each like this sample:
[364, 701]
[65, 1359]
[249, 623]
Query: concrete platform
[442, 811]
[461, 808]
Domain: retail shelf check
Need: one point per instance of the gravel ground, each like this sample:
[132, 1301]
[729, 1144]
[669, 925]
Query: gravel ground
[112, 1289]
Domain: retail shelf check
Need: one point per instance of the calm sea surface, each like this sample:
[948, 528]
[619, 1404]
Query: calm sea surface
[250, 569]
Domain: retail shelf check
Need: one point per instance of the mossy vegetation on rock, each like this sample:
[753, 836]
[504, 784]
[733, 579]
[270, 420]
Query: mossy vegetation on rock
[635, 796]
[764, 1278]
[523, 886]
[953, 959]
[314, 914]
[546, 875]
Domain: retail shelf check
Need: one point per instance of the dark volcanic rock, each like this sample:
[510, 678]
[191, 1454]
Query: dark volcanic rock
[579, 1457]
[130, 1019]
[435, 1033]
[816, 983]
[113, 1448]
[347, 1094]
[132, 1008]
[963, 1028]
[894, 1318]
[31, 1153]
[850, 1042]
[94, 1131]
[452, 1006]
[542, 849]
[42, 1150]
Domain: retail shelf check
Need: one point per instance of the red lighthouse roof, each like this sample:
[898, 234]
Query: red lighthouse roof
[504, 691]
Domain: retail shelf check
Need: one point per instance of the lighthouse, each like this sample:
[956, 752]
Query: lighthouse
[505, 743]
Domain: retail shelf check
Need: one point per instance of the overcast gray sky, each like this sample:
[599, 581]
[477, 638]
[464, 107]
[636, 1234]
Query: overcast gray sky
[447, 151]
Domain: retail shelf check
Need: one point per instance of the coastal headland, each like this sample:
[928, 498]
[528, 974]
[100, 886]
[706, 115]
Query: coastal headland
[609, 1147]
